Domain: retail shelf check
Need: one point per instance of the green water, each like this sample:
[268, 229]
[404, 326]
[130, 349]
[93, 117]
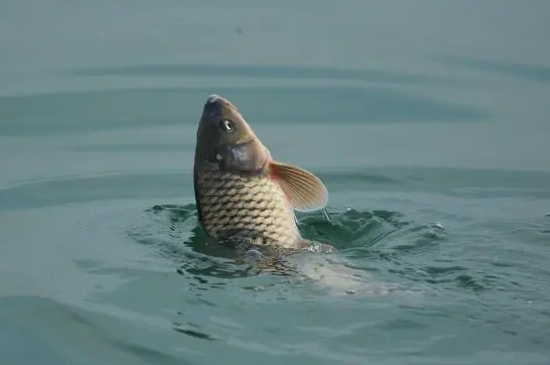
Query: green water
[427, 121]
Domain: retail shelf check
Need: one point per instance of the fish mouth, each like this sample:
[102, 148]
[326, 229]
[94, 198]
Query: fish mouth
[215, 103]
[214, 98]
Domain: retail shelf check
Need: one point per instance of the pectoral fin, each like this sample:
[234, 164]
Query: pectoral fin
[304, 190]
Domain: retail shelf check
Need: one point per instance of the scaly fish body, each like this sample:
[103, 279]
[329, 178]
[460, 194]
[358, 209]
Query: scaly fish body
[252, 206]
[240, 191]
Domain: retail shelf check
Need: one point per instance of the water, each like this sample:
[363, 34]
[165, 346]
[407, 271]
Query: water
[428, 122]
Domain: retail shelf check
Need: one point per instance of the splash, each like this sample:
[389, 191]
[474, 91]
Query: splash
[364, 242]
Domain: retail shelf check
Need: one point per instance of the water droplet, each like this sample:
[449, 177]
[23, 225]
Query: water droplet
[327, 216]
[438, 225]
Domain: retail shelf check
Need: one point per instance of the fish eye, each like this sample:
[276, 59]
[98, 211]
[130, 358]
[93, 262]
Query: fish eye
[227, 125]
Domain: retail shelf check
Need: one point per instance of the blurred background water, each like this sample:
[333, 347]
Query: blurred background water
[428, 122]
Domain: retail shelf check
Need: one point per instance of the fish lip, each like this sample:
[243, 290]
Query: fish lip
[214, 105]
[213, 98]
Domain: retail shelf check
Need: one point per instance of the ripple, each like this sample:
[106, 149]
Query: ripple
[56, 325]
[147, 354]
[343, 230]
[468, 282]
[351, 228]
[70, 112]
[174, 232]
[540, 73]
[65, 190]
[261, 71]
[178, 327]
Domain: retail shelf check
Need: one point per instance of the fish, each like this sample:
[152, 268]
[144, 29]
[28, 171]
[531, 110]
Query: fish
[244, 197]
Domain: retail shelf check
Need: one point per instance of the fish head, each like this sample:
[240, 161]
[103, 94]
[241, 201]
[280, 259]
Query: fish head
[224, 138]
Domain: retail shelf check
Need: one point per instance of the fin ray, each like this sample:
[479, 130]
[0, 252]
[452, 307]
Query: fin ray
[305, 191]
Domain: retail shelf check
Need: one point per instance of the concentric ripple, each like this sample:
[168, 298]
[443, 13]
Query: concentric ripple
[174, 233]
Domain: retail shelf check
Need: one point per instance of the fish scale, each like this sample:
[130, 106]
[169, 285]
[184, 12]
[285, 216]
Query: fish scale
[255, 206]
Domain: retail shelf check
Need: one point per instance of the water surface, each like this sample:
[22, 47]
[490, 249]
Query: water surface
[428, 122]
